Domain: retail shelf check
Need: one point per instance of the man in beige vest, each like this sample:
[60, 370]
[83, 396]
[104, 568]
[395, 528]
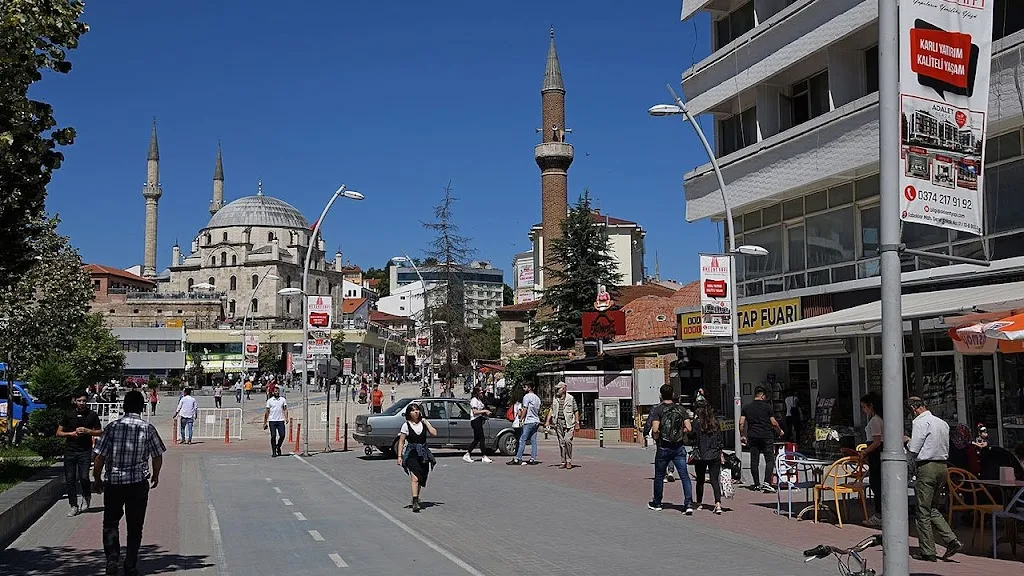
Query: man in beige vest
[567, 421]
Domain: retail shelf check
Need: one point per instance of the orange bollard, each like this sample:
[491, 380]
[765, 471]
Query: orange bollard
[337, 429]
[298, 433]
[174, 429]
[227, 430]
[291, 423]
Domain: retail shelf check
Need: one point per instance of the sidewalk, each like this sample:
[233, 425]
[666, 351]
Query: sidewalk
[625, 472]
[176, 537]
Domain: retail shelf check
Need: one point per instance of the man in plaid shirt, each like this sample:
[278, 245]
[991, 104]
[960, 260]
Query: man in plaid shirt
[123, 452]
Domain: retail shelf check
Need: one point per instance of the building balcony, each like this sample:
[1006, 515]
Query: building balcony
[788, 37]
[553, 155]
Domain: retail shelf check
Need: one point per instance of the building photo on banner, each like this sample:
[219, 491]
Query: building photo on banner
[318, 323]
[716, 310]
[946, 52]
[251, 360]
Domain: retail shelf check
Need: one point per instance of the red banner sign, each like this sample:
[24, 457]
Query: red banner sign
[601, 325]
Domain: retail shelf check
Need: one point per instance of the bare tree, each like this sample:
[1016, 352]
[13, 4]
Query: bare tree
[446, 299]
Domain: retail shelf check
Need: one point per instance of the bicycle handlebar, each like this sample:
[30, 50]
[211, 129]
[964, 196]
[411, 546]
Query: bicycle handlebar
[825, 550]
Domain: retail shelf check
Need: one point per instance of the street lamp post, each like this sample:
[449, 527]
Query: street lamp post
[352, 195]
[680, 108]
[245, 322]
[426, 315]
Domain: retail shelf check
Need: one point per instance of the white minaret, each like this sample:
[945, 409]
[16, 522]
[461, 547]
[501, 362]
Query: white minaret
[151, 192]
[218, 184]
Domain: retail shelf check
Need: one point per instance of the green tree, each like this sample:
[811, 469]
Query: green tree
[195, 371]
[522, 369]
[383, 277]
[97, 355]
[270, 359]
[508, 297]
[450, 253]
[581, 261]
[35, 36]
[485, 342]
[54, 382]
[48, 305]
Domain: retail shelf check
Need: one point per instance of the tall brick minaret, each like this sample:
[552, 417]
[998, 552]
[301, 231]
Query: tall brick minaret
[553, 155]
[152, 193]
[218, 184]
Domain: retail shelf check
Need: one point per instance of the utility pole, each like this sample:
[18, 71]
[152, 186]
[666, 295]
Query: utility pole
[895, 525]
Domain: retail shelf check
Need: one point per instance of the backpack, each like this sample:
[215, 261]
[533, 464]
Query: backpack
[510, 414]
[671, 429]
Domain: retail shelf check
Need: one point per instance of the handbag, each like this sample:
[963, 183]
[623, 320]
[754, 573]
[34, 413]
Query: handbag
[725, 479]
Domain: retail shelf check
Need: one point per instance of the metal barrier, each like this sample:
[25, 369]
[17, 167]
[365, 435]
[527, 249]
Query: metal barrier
[317, 417]
[109, 411]
[210, 423]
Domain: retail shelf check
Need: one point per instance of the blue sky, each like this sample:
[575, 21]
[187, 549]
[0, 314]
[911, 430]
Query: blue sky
[392, 99]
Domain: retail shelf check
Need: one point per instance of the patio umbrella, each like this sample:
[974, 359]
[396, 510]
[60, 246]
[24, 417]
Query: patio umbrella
[1009, 328]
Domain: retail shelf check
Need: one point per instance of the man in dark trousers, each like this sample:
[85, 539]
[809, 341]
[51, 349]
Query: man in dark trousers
[758, 427]
[78, 428]
[123, 452]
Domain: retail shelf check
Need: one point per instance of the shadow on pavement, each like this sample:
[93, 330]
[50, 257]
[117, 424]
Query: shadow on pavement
[67, 561]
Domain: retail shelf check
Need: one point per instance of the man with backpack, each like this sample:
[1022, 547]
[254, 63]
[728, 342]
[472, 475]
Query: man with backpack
[670, 424]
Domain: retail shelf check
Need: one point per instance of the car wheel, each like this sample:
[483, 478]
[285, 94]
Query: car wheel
[392, 451]
[368, 450]
[507, 444]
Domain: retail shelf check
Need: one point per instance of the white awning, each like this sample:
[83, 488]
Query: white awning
[923, 305]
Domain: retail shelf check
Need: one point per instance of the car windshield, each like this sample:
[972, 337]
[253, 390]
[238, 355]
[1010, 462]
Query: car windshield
[397, 407]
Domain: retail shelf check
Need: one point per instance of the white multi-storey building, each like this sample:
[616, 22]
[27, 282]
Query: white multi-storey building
[792, 88]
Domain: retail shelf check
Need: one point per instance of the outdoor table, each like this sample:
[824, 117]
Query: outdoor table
[818, 467]
[1008, 510]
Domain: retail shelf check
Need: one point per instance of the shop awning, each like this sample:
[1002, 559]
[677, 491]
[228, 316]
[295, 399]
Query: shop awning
[922, 305]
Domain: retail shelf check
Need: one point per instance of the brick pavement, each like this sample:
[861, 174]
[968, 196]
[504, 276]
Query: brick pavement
[751, 514]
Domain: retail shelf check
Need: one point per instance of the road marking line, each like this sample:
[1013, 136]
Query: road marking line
[299, 516]
[276, 489]
[218, 543]
[287, 502]
[316, 535]
[405, 527]
[337, 560]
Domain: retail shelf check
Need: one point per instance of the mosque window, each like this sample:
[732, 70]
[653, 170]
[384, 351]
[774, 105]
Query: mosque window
[223, 258]
[224, 237]
[234, 260]
[210, 281]
[317, 287]
[288, 281]
[233, 283]
[209, 239]
[270, 236]
[213, 260]
[287, 306]
[190, 283]
[255, 306]
[231, 307]
[255, 281]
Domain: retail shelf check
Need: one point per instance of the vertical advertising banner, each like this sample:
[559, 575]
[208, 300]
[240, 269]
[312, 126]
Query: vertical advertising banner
[945, 61]
[715, 308]
[318, 323]
[346, 367]
[251, 352]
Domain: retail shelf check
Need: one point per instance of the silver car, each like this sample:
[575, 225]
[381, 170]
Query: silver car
[450, 416]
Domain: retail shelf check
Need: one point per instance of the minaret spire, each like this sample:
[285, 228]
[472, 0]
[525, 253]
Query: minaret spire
[218, 183]
[152, 192]
[552, 71]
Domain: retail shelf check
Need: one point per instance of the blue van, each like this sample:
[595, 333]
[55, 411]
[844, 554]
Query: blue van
[24, 402]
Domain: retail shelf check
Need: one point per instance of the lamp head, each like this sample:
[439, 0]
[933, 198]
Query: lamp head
[664, 110]
[290, 291]
[750, 250]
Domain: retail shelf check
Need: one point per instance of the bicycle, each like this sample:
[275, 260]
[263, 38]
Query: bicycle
[846, 555]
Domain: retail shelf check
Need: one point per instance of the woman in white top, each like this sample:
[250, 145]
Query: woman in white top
[413, 454]
[480, 414]
[871, 404]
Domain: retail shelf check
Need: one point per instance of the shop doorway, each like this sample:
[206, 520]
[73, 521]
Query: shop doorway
[980, 384]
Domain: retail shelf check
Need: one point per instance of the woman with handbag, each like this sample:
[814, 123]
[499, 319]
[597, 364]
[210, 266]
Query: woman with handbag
[567, 421]
[414, 456]
[707, 452]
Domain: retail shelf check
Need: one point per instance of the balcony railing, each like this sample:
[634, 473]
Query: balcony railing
[175, 295]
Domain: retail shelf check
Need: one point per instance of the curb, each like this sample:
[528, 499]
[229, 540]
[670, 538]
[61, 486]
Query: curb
[26, 502]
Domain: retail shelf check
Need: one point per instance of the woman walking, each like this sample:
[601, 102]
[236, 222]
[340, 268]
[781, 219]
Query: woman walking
[479, 416]
[567, 421]
[707, 452]
[153, 399]
[413, 455]
[871, 405]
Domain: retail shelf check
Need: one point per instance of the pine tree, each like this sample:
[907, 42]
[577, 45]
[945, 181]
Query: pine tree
[448, 254]
[581, 261]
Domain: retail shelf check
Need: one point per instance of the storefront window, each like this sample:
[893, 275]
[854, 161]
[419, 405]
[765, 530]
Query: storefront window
[1003, 200]
[938, 384]
[1011, 380]
[869, 226]
[795, 238]
[980, 384]
[918, 235]
[830, 238]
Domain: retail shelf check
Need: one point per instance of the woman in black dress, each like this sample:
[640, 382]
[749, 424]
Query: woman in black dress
[413, 455]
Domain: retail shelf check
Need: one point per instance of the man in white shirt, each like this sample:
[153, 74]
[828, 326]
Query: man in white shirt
[187, 409]
[238, 391]
[529, 415]
[930, 446]
[274, 417]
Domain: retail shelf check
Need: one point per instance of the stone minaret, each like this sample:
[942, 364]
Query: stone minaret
[553, 156]
[151, 192]
[218, 184]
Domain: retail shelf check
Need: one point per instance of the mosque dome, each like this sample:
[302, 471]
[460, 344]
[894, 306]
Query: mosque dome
[258, 210]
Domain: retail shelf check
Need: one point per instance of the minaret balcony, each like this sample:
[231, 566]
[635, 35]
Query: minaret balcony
[553, 154]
